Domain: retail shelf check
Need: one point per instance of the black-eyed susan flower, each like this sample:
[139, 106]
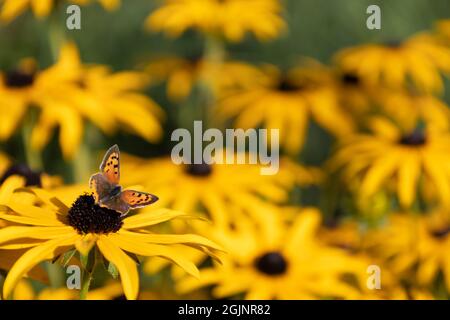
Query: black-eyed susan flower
[266, 259]
[418, 246]
[182, 74]
[287, 101]
[417, 61]
[408, 108]
[69, 93]
[10, 9]
[443, 28]
[406, 163]
[193, 187]
[7, 195]
[54, 228]
[25, 86]
[25, 291]
[354, 94]
[229, 18]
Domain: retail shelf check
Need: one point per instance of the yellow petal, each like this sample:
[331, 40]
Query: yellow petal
[85, 244]
[407, 178]
[145, 249]
[32, 257]
[12, 8]
[49, 199]
[189, 239]
[19, 232]
[31, 220]
[41, 8]
[126, 266]
[8, 187]
[151, 218]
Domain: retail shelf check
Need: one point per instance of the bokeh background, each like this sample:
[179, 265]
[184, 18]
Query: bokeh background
[333, 232]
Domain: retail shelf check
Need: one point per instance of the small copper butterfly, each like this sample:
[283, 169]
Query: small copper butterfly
[107, 191]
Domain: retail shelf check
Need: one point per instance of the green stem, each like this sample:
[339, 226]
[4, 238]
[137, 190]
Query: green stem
[213, 55]
[33, 156]
[56, 33]
[56, 275]
[83, 165]
[87, 279]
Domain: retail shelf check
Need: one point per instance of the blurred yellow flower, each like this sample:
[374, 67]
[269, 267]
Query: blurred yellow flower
[10, 9]
[287, 102]
[55, 228]
[412, 160]
[182, 74]
[69, 93]
[213, 187]
[266, 259]
[443, 28]
[419, 60]
[25, 291]
[25, 86]
[418, 246]
[408, 108]
[230, 18]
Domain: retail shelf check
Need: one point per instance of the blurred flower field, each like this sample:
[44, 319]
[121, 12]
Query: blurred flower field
[364, 173]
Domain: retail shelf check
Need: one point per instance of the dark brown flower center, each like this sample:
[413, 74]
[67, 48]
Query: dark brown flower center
[32, 178]
[271, 263]
[350, 79]
[417, 138]
[18, 79]
[199, 170]
[441, 233]
[287, 86]
[394, 44]
[86, 216]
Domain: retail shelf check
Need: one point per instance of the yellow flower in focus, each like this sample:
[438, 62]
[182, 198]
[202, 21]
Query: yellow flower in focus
[419, 60]
[287, 102]
[7, 195]
[266, 259]
[182, 74]
[54, 228]
[10, 9]
[230, 18]
[405, 163]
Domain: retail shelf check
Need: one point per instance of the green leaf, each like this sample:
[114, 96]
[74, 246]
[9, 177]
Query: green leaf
[113, 270]
[67, 257]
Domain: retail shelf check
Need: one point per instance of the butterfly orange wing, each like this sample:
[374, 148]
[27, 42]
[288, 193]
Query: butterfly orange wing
[138, 199]
[110, 166]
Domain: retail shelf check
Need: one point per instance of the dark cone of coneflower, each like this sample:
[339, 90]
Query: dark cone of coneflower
[199, 170]
[271, 263]
[350, 79]
[416, 138]
[18, 79]
[86, 216]
[287, 86]
[441, 233]
[32, 178]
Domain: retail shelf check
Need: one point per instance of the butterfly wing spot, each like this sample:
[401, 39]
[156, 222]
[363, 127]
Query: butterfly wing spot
[111, 164]
[137, 199]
